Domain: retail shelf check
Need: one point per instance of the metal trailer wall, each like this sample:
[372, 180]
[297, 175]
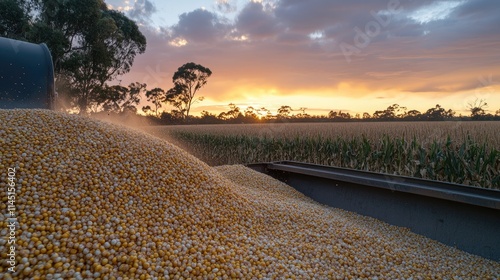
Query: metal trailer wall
[464, 217]
[26, 75]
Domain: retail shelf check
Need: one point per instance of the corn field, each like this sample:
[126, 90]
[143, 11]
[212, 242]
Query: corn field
[459, 152]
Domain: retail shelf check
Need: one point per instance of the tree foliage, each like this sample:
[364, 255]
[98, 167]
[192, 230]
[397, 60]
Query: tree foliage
[188, 80]
[14, 21]
[120, 99]
[105, 52]
[438, 113]
[155, 96]
[284, 111]
[90, 44]
[477, 108]
[392, 112]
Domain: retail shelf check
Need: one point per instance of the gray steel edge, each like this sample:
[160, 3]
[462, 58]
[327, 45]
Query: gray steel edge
[454, 192]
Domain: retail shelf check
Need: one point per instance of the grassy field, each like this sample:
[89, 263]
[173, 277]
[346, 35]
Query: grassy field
[460, 152]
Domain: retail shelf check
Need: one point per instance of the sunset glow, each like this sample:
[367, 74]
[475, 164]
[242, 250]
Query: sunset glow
[354, 56]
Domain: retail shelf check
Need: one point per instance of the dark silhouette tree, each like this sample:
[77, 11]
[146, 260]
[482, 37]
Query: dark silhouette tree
[234, 111]
[133, 97]
[207, 117]
[264, 113]
[188, 80]
[234, 114]
[477, 108]
[250, 113]
[147, 109]
[344, 116]
[111, 45]
[110, 99]
[157, 97]
[438, 113]
[302, 114]
[449, 114]
[284, 112]
[413, 114]
[223, 116]
[392, 112]
[378, 114]
[121, 99]
[170, 117]
[332, 115]
[14, 19]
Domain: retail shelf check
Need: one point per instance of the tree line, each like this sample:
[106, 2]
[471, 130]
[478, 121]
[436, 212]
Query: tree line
[394, 112]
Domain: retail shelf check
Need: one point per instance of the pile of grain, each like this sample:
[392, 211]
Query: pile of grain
[95, 200]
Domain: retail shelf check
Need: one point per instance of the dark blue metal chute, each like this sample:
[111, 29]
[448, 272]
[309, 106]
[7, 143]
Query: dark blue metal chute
[26, 75]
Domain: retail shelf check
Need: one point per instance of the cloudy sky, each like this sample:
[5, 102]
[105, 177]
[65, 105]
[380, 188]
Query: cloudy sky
[356, 56]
